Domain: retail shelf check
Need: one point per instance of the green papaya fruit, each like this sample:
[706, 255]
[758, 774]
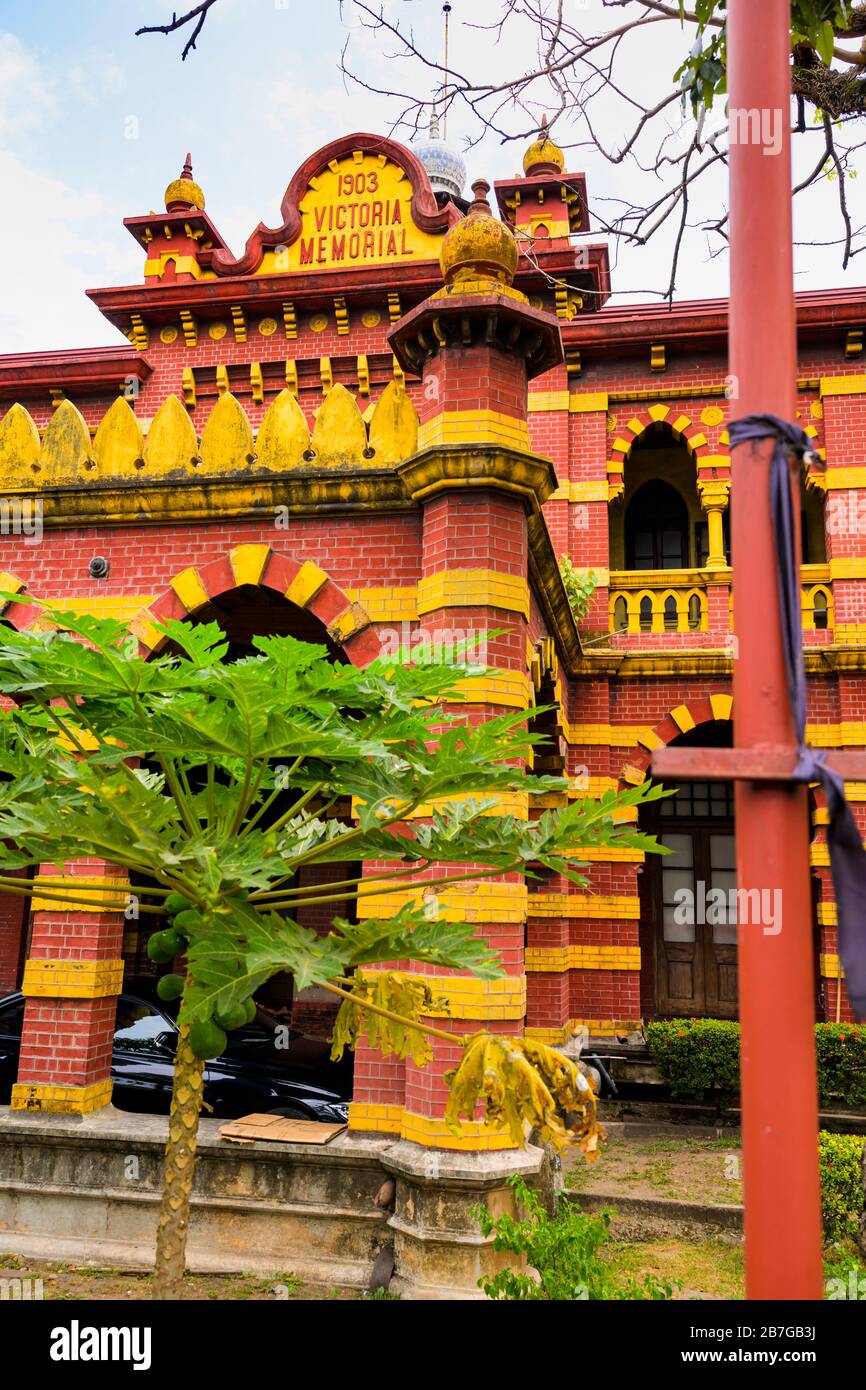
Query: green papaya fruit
[249, 1010]
[186, 921]
[176, 902]
[232, 1018]
[172, 941]
[157, 950]
[207, 1039]
[170, 987]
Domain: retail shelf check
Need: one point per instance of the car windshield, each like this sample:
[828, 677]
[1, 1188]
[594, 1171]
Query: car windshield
[139, 1027]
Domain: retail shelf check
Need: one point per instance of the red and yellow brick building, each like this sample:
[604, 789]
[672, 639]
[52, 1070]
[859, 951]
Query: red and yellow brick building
[382, 425]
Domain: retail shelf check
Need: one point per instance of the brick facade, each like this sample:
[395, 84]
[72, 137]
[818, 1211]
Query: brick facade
[629, 396]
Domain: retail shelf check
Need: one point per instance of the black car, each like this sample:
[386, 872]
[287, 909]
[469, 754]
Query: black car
[262, 1070]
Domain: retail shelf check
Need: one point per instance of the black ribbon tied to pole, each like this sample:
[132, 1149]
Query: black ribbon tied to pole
[847, 855]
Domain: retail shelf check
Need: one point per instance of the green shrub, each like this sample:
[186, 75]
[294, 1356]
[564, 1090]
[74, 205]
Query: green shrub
[580, 585]
[842, 1062]
[564, 1250]
[841, 1158]
[697, 1055]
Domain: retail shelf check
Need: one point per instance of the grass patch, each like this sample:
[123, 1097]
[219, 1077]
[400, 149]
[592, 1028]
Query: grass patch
[702, 1269]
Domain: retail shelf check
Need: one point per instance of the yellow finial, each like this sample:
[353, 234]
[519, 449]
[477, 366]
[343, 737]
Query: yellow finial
[479, 253]
[543, 156]
[184, 193]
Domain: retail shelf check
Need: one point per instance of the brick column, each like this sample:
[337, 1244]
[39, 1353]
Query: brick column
[72, 977]
[475, 344]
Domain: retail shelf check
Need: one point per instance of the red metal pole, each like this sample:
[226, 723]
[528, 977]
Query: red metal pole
[777, 994]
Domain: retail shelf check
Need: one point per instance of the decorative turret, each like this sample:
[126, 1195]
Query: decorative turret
[177, 242]
[446, 169]
[543, 156]
[479, 254]
[184, 194]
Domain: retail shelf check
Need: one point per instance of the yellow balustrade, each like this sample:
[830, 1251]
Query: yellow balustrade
[816, 601]
[658, 601]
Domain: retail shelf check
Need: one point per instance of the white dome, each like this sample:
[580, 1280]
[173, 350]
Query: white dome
[446, 169]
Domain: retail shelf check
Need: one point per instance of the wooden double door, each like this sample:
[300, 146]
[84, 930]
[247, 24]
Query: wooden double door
[692, 900]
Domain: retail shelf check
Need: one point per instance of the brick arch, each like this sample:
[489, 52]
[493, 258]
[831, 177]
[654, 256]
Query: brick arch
[300, 581]
[682, 426]
[680, 720]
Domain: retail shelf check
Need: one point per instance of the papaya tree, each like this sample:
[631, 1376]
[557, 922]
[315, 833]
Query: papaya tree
[216, 782]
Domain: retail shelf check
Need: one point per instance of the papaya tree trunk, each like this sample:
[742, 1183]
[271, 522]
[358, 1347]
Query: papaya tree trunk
[179, 1168]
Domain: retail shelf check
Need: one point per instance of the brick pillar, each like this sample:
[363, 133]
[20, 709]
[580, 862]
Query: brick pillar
[73, 974]
[475, 344]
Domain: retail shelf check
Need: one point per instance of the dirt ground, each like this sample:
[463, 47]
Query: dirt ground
[77, 1282]
[691, 1170]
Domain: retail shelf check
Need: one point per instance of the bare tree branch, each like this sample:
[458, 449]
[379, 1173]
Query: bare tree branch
[199, 13]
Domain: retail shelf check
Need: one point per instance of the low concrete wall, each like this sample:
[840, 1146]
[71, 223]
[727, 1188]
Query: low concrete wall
[87, 1189]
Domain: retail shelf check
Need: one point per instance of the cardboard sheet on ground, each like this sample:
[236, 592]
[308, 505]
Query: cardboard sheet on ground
[279, 1129]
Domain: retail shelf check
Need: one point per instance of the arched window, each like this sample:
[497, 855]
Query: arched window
[657, 529]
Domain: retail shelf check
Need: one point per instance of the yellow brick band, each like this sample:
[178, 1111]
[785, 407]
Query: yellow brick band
[850, 634]
[469, 997]
[819, 855]
[840, 478]
[112, 891]
[600, 735]
[382, 1119]
[61, 1100]
[610, 907]
[575, 402]
[597, 1027]
[387, 605]
[830, 967]
[556, 959]
[853, 385]
[469, 427]
[474, 901]
[582, 402]
[502, 804]
[547, 401]
[848, 567]
[480, 588]
[422, 1129]
[509, 688]
[848, 734]
[608, 856]
[435, 1134]
[72, 979]
[592, 787]
[583, 492]
[121, 607]
[827, 915]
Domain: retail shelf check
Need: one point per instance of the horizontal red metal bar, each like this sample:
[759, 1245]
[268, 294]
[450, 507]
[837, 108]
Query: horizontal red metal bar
[759, 764]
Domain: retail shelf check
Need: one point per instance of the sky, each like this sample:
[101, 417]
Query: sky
[94, 123]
